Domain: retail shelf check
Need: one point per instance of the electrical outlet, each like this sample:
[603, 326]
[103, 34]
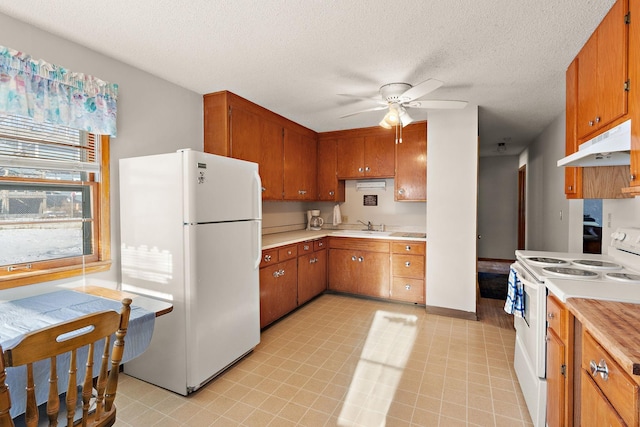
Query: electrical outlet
[345, 218]
[609, 220]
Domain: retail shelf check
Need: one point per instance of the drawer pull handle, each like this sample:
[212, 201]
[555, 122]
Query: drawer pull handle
[408, 247]
[306, 247]
[407, 287]
[550, 315]
[320, 244]
[278, 273]
[602, 368]
[267, 258]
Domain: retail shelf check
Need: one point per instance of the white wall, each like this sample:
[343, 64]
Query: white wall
[498, 207]
[154, 115]
[452, 176]
[547, 209]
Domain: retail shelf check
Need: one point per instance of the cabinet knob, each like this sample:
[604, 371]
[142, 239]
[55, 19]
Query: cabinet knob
[306, 247]
[591, 123]
[360, 170]
[633, 177]
[570, 188]
[367, 169]
[601, 368]
[597, 119]
[353, 258]
[407, 248]
[401, 191]
[289, 252]
[263, 189]
[320, 244]
[550, 315]
[267, 258]
[331, 193]
[302, 192]
[312, 260]
[360, 259]
[407, 264]
[407, 287]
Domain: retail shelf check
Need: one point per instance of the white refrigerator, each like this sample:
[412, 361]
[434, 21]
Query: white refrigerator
[191, 234]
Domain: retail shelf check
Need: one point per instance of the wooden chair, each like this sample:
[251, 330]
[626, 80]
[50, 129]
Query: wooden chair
[55, 340]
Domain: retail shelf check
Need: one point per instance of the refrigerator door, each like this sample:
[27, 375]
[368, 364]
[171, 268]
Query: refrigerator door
[220, 189]
[223, 296]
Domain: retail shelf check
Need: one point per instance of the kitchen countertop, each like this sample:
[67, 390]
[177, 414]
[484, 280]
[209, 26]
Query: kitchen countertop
[614, 325]
[594, 289]
[270, 241]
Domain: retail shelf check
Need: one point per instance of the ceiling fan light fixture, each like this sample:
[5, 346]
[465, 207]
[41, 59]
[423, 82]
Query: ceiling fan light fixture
[405, 118]
[384, 124]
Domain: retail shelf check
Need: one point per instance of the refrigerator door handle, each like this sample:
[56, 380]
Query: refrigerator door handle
[258, 258]
[258, 195]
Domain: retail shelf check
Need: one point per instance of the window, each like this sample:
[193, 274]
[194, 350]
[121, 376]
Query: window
[54, 216]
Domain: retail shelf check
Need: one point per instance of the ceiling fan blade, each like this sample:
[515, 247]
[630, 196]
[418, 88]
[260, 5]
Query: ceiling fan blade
[381, 107]
[437, 104]
[421, 89]
[366, 98]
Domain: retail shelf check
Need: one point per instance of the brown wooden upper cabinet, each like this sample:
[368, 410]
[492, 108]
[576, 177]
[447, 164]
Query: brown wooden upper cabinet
[371, 155]
[236, 127]
[572, 175]
[330, 189]
[603, 74]
[299, 166]
[411, 164]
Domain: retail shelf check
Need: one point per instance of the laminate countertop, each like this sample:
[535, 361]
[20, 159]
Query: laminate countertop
[270, 241]
[615, 326]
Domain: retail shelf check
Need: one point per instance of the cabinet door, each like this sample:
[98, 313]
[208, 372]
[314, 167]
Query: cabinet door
[271, 161]
[587, 86]
[312, 275]
[595, 409]
[278, 291]
[350, 153]
[555, 380]
[373, 274]
[244, 135]
[379, 156]
[572, 175]
[612, 64]
[329, 188]
[343, 271]
[299, 166]
[411, 165]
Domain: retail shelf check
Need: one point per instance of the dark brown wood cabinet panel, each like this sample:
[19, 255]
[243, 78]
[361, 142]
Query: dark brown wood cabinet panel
[329, 187]
[411, 164]
[300, 153]
[278, 291]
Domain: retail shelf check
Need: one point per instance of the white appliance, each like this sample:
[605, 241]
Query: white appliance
[191, 235]
[615, 276]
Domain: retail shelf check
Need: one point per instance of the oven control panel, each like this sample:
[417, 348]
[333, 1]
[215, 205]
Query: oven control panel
[626, 239]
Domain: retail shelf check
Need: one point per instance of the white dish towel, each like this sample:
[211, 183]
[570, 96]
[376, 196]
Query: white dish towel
[337, 215]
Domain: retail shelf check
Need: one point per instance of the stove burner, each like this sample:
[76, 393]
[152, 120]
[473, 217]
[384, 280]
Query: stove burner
[624, 277]
[569, 272]
[538, 260]
[597, 264]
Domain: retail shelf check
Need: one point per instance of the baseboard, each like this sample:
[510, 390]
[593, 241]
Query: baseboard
[450, 312]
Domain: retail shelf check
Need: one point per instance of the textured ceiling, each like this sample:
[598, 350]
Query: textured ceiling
[294, 57]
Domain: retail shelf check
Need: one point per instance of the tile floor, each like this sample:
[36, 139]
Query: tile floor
[342, 361]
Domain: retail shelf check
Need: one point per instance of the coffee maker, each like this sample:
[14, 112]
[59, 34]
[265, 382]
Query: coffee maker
[314, 222]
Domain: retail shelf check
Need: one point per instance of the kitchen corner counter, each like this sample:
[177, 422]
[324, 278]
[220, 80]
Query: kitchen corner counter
[614, 326]
[270, 241]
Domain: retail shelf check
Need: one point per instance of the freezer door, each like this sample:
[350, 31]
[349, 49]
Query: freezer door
[220, 188]
[223, 294]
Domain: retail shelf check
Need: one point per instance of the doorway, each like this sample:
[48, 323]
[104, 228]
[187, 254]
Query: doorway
[592, 226]
[522, 206]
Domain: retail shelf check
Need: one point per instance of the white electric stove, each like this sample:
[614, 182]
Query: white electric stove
[613, 276]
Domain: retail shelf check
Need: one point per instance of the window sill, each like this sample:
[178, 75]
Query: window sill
[23, 278]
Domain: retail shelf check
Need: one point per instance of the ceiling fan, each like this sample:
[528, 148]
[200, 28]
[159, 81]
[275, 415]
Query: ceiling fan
[398, 97]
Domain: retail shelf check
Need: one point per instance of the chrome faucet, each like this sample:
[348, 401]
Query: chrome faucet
[368, 224]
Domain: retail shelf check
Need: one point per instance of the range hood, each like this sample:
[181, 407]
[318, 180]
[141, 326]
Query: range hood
[610, 148]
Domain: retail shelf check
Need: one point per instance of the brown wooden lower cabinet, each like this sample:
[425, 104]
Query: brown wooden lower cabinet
[359, 266]
[312, 272]
[278, 290]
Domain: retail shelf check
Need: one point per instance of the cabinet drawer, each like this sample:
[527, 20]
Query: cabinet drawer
[621, 392]
[556, 317]
[414, 248]
[305, 247]
[287, 252]
[359, 244]
[269, 256]
[408, 266]
[410, 290]
[319, 244]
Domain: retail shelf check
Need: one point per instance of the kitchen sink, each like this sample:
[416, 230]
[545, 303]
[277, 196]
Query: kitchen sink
[360, 233]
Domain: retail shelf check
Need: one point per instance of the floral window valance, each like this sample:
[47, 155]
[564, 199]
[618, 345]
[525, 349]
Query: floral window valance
[50, 93]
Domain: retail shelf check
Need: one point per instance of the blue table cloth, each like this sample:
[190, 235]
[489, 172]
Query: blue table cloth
[21, 316]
